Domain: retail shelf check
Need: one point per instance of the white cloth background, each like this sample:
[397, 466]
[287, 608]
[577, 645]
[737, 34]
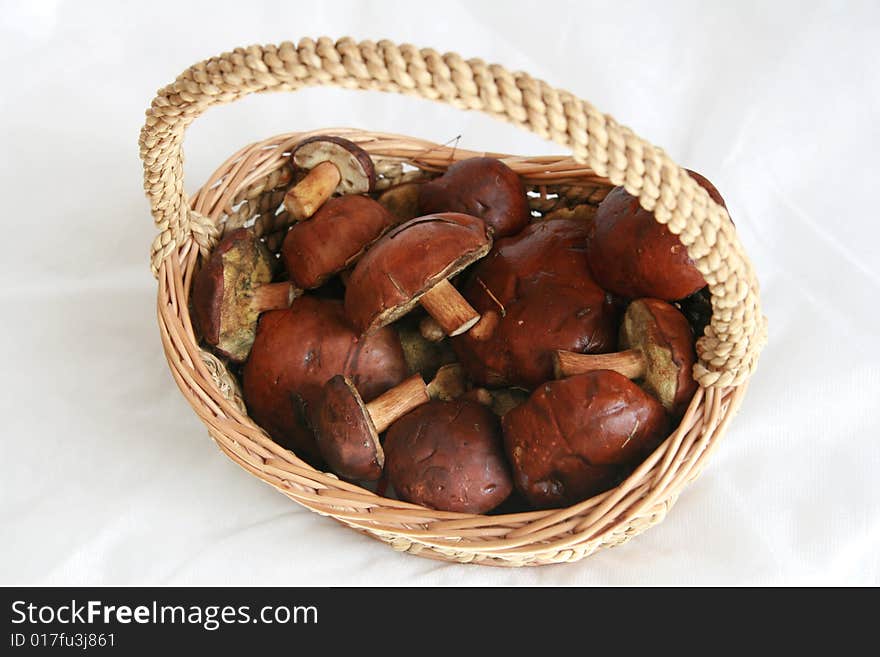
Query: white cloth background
[109, 478]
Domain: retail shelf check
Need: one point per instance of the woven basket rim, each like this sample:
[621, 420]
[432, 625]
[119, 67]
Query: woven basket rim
[539, 536]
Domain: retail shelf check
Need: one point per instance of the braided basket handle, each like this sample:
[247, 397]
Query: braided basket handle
[729, 349]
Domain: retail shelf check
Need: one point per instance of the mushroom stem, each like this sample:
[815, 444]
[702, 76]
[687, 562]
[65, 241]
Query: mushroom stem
[446, 305]
[309, 194]
[397, 402]
[274, 296]
[630, 363]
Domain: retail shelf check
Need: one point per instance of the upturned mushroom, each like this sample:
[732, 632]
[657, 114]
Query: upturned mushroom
[333, 238]
[536, 295]
[575, 437]
[658, 346]
[633, 256]
[297, 350]
[347, 429]
[482, 187]
[334, 165]
[231, 290]
[410, 265]
[448, 456]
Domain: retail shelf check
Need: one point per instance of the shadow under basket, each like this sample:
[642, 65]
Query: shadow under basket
[249, 187]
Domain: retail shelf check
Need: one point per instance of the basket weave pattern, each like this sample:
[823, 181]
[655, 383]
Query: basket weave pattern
[248, 187]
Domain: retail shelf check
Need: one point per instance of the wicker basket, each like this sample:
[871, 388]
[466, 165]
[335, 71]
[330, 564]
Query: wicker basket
[248, 187]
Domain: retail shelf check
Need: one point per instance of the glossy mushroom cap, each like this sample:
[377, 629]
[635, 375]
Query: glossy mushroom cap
[633, 256]
[222, 291]
[408, 261]
[664, 337]
[297, 350]
[483, 187]
[539, 284]
[447, 455]
[345, 434]
[347, 430]
[357, 175]
[573, 437]
[333, 238]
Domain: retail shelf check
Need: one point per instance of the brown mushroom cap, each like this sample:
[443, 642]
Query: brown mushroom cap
[539, 284]
[356, 170]
[223, 289]
[573, 437]
[347, 430]
[482, 187]
[408, 261]
[333, 238]
[345, 434]
[634, 256]
[664, 337]
[297, 350]
[448, 456]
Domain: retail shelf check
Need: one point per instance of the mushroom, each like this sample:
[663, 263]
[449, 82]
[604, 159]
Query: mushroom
[633, 256]
[575, 437]
[402, 200]
[659, 349]
[334, 164]
[347, 429]
[483, 187]
[410, 265]
[297, 350]
[422, 356]
[335, 236]
[536, 295]
[232, 289]
[448, 456]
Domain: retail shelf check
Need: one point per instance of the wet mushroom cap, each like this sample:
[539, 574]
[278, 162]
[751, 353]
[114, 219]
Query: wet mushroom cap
[333, 238]
[408, 261]
[297, 350]
[572, 438]
[666, 340]
[447, 455]
[634, 256]
[222, 290]
[345, 434]
[539, 284]
[483, 187]
[356, 170]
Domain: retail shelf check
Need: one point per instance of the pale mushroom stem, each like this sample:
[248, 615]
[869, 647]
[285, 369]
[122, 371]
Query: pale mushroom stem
[451, 310]
[397, 402]
[274, 296]
[309, 194]
[630, 363]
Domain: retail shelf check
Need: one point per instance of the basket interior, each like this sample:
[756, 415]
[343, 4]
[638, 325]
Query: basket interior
[247, 190]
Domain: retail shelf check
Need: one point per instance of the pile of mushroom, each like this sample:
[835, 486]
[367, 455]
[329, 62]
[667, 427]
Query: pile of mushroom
[436, 337]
